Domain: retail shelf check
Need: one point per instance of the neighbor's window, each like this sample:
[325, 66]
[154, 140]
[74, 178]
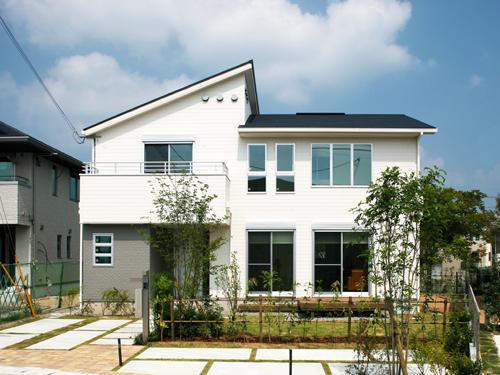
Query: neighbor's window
[257, 168]
[68, 247]
[103, 249]
[285, 179]
[270, 253]
[340, 262]
[168, 157]
[74, 188]
[59, 246]
[6, 169]
[54, 180]
[341, 164]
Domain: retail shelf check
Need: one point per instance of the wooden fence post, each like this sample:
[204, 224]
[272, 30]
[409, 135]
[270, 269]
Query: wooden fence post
[172, 320]
[444, 316]
[260, 319]
[349, 315]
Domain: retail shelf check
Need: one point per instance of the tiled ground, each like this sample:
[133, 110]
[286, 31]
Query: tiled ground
[164, 367]
[195, 353]
[274, 368]
[41, 326]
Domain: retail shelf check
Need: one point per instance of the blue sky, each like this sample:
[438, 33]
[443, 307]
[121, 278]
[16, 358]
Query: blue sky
[436, 61]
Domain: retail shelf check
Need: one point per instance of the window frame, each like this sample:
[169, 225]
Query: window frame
[68, 247]
[351, 144]
[274, 293]
[54, 181]
[342, 292]
[257, 173]
[110, 255]
[290, 173]
[59, 246]
[167, 170]
[77, 188]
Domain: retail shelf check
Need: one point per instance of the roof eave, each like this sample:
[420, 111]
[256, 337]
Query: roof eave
[293, 130]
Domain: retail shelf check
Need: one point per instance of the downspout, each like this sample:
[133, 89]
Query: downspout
[418, 153]
[32, 253]
[81, 266]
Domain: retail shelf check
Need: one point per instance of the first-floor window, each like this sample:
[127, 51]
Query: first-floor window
[270, 261]
[103, 249]
[340, 262]
[58, 246]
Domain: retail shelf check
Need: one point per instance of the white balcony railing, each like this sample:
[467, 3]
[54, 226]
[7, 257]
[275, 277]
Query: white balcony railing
[155, 167]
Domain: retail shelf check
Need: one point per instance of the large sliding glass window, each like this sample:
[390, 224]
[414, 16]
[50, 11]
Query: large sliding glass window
[340, 262]
[256, 168]
[270, 261]
[285, 179]
[341, 164]
[168, 158]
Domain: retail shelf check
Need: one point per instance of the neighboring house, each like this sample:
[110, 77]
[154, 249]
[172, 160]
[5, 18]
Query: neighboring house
[39, 193]
[288, 182]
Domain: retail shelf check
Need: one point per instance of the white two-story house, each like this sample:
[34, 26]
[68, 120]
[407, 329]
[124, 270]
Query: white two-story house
[288, 181]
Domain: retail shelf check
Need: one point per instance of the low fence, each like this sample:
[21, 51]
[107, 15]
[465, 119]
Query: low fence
[286, 319]
[475, 324]
[47, 279]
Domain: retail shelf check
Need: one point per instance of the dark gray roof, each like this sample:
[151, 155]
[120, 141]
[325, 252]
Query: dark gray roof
[334, 120]
[14, 140]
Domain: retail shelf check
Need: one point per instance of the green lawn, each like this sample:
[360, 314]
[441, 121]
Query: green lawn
[489, 354]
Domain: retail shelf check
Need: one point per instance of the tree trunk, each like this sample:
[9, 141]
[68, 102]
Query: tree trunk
[397, 338]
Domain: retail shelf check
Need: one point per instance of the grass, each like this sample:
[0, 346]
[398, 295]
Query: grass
[276, 328]
[489, 354]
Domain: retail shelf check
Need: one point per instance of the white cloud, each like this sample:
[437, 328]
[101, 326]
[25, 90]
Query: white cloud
[295, 51]
[88, 87]
[475, 80]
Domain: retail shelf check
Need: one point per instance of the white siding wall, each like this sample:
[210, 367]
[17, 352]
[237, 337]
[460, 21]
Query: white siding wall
[215, 126]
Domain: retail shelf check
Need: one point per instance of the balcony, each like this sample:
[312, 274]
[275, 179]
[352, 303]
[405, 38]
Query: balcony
[122, 192]
[16, 198]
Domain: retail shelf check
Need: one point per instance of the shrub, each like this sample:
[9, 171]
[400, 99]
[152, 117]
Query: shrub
[116, 301]
[206, 310]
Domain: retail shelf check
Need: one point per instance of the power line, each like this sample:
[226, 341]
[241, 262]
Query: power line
[77, 137]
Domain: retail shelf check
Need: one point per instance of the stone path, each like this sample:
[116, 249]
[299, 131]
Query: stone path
[8, 339]
[41, 326]
[11, 370]
[195, 353]
[164, 367]
[66, 341]
[306, 354]
[275, 368]
[126, 334]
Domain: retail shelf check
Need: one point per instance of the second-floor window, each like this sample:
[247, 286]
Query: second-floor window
[74, 188]
[341, 164]
[285, 179]
[257, 168]
[168, 157]
[6, 169]
[53, 181]
[68, 247]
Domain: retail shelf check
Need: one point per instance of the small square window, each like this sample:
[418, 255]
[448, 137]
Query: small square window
[256, 183]
[285, 183]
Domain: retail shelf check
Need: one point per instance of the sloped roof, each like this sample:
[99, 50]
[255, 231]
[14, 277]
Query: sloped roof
[335, 120]
[252, 92]
[14, 140]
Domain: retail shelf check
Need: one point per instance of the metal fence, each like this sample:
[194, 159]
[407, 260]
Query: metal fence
[475, 324]
[43, 279]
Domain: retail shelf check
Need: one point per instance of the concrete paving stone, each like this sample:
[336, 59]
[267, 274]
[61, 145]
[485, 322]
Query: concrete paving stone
[164, 367]
[196, 353]
[109, 341]
[11, 370]
[8, 339]
[496, 338]
[121, 335]
[41, 326]
[306, 354]
[103, 325]
[275, 368]
[67, 340]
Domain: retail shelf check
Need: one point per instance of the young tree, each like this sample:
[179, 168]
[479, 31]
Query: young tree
[183, 236]
[392, 213]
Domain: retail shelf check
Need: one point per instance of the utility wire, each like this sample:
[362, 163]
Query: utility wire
[77, 137]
